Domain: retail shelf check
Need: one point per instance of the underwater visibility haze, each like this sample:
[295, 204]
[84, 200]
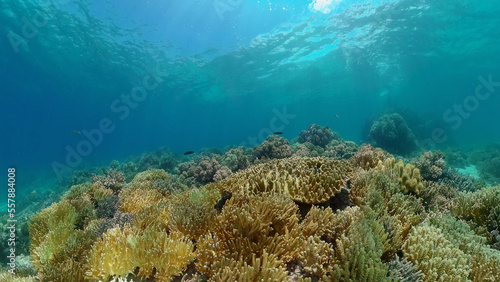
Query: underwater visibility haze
[238, 140]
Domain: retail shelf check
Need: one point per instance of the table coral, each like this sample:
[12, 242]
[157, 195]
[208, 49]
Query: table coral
[312, 180]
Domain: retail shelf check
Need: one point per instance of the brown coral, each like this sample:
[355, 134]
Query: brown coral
[265, 268]
[368, 157]
[311, 180]
[249, 225]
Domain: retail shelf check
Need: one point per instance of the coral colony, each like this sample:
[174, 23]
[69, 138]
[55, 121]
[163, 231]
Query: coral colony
[317, 209]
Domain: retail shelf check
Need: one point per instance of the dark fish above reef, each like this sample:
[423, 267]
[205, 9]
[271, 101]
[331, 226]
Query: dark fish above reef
[188, 153]
[278, 133]
[77, 132]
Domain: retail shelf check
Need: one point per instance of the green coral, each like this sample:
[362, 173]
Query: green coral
[436, 256]
[482, 207]
[56, 244]
[359, 252]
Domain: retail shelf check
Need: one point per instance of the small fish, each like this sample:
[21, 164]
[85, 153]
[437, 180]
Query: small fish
[278, 133]
[103, 172]
[77, 132]
[188, 153]
[337, 116]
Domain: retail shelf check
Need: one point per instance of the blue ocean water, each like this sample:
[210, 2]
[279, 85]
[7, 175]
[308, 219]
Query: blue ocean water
[136, 76]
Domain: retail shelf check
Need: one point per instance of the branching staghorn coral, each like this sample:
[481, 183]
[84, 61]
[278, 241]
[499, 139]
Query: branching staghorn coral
[319, 222]
[327, 225]
[437, 257]
[310, 181]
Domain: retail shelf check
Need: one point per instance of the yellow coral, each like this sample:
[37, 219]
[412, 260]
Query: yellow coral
[111, 255]
[318, 222]
[56, 244]
[193, 212]
[265, 268]
[168, 254]
[408, 176]
[306, 180]
[133, 200]
[49, 229]
[318, 257]
[152, 215]
[146, 178]
[209, 249]
[252, 224]
[437, 258]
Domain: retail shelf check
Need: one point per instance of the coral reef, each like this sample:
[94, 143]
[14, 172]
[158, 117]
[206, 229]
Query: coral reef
[368, 157]
[403, 270]
[274, 147]
[408, 176]
[257, 214]
[437, 257]
[431, 165]
[316, 135]
[487, 161]
[340, 149]
[114, 180]
[308, 150]
[391, 133]
[482, 207]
